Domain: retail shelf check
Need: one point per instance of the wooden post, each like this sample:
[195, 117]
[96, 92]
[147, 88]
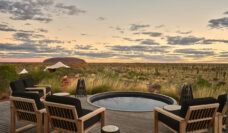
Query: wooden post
[39, 122]
[80, 127]
[215, 124]
[46, 123]
[102, 119]
[12, 118]
[155, 121]
[182, 127]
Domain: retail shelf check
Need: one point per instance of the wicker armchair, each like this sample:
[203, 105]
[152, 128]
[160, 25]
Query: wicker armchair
[197, 115]
[65, 114]
[222, 99]
[19, 86]
[28, 108]
[28, 83]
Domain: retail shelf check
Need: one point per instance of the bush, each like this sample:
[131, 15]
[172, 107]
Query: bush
[38, 76]
[203, 83]
[100, 89]
[7, 74]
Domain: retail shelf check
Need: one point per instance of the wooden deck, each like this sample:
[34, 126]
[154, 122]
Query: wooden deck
[128, 122]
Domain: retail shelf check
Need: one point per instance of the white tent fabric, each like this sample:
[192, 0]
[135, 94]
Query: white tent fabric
[24, 71]
[57, 65]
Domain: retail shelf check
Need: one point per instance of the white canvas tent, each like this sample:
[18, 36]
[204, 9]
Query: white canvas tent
[24, 71]
[57, 65]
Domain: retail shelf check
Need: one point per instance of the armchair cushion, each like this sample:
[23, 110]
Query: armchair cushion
[222, 102]
[28, 82]
[34, 96]
[194, 102]
[92, 120]
[67, 100]
[17, 86]
[172, 123]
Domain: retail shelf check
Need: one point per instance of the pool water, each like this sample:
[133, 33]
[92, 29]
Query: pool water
[130, 103]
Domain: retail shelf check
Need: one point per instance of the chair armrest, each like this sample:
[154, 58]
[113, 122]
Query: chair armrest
[43, 86]
[171, 115]
[35, 91]
[42, 110]
[90, 115]
[34, 88]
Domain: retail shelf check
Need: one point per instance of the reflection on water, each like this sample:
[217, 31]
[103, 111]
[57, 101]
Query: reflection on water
[130, 103]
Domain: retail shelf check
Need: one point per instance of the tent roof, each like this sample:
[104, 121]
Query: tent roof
[57, 65]
[23, 71]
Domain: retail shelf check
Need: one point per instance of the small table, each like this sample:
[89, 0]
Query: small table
[62, 94]
[172, 107]
[110, 129]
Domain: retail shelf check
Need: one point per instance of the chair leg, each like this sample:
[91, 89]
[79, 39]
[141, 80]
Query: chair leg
[182, 127]
[46, 123]
[102, 119]
[12, 119]
[81, 127]
[220, 118]
[39, 122]
[216, 124]
[155, 121]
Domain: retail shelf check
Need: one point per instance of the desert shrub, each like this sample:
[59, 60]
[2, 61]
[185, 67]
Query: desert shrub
[54, 82]
[38, 76]
[202, 83]
[7, 74]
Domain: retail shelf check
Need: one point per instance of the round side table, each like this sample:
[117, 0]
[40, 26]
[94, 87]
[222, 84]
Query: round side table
[62, 94]
[110, 129]
[172, 107]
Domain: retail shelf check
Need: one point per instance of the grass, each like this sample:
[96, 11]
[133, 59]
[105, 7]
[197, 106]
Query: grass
[207, 79]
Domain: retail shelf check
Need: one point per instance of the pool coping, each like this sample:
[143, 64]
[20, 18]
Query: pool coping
[89, 101]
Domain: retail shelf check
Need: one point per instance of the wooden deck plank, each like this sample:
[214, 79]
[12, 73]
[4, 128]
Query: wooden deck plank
[128, 122]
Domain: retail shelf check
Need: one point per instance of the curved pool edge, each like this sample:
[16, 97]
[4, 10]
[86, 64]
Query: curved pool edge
[112, 92]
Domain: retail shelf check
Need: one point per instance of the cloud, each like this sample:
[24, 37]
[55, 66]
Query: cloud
[140, 48]
[159, 26]
[135, 27]
[223, 54]
[149, 42]
[6, 28]
[186, 32]
[48, 41]
[219, 23]
[211, 41]
[26, 37]
[38, 10]
[95, 54]
[152, 34]
[70, 10]
[101, 18]
[178, 40]
[121, 30]
[32, 50]
[84, 47]
[43, 30]
[195, 53]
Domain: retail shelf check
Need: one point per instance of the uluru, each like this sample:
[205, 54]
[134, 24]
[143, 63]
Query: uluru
[65, 60]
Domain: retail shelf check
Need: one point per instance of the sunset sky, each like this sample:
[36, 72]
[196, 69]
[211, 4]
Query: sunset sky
[166, 31]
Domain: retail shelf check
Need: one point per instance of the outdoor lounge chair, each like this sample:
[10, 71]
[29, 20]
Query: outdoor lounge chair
[29, 84]
[28, 108]
[222, 99]
[18, 86]
[186, 93]
[66, 114]
[197, 115]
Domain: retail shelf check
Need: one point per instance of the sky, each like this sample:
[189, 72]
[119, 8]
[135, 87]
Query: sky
[125, 31]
